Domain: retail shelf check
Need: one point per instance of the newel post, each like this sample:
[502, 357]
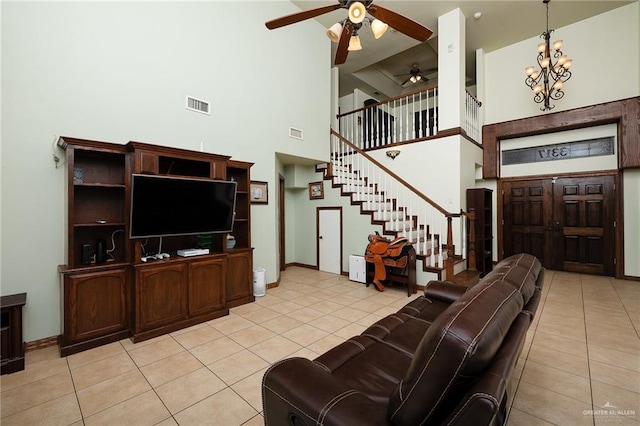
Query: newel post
[450, 250]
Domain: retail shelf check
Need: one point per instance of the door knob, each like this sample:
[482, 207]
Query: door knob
[557, 227]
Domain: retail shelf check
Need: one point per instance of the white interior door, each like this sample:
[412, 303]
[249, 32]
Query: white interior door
[329, 235]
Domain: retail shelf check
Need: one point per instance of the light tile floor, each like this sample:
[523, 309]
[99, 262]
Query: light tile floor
[580, 364]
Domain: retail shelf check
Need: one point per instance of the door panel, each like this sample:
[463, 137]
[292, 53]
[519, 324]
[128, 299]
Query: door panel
[583, 224]
[566, 222]
[330, 240]
[526, 216]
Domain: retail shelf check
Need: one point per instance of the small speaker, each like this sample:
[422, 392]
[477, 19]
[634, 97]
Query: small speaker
[101, 251]
[86, 254]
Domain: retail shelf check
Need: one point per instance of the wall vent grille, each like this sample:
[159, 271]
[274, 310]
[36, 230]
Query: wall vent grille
[198, 105]
[295, 133]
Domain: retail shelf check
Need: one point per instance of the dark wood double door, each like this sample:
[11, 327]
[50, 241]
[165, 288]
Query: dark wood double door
[567, 222]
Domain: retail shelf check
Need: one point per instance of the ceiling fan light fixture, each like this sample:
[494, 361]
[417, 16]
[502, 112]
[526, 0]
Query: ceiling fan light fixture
[354, 43]
[357, 12]
[334, 32]
[378, 28]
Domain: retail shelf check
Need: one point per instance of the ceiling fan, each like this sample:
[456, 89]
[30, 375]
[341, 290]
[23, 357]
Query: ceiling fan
[345, 33]
[415, 75]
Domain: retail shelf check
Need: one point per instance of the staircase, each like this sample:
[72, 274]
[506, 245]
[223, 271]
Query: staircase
[401, 210]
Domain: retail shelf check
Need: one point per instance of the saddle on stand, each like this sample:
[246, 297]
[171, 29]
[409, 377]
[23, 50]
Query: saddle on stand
[383, 252]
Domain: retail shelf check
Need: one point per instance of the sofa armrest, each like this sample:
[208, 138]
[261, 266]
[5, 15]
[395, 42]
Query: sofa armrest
[443, 290]
[298, 391]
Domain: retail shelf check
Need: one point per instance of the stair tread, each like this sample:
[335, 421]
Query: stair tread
[395, 219]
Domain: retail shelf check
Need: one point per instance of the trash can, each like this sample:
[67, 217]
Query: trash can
[259, 284]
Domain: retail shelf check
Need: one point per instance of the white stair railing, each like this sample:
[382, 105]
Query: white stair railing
[400, 208]
[407, 117]
[472, 125]
[410, 117]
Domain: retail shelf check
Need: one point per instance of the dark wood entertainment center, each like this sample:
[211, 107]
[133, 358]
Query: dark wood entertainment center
[105, 300]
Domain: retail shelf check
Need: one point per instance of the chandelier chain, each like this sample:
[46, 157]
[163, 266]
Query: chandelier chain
[547, 81]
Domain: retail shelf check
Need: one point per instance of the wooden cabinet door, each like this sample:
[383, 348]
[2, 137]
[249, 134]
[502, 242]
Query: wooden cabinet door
[160, 295]
[206, 286]
[95, 304]
[239, 278]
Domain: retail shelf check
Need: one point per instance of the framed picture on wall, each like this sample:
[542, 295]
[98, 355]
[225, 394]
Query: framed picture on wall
[316, 191]
[259, 192]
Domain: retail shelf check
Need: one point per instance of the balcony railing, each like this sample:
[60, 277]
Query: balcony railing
[408, 118]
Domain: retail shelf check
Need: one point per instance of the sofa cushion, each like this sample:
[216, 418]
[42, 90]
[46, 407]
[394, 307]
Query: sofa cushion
[455, 349]
[425, 308]
[400, 331]
[366, 365]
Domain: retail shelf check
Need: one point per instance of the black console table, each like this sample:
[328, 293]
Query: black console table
[12, 343]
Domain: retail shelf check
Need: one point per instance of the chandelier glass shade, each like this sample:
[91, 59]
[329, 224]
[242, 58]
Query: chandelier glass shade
[547, 80]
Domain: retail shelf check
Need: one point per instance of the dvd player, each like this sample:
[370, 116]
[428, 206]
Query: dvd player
[192, 252]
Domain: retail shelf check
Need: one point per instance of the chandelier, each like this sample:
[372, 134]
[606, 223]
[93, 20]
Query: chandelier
[547, 81]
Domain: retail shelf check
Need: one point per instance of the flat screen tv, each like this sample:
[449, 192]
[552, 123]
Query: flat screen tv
[166, 206]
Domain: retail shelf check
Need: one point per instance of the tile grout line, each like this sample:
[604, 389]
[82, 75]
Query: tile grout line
[171, 415]
[75, 391]
[526, 358]
[624, 307]
[586, 337]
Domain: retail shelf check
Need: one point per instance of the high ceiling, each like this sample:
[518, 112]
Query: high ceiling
[382, 65]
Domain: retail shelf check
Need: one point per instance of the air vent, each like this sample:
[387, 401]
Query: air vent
[198, 105]
[295, 133]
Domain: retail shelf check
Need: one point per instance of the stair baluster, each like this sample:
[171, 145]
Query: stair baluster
[401, 209]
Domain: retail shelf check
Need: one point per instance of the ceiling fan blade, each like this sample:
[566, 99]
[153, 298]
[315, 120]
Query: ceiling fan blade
[300, 16]
[343, 44]
[400, 23]
[405, 82]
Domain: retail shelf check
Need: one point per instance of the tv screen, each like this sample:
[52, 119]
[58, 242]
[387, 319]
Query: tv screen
[164, 206]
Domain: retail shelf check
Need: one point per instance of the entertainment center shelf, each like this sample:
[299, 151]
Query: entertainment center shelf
[108, 291]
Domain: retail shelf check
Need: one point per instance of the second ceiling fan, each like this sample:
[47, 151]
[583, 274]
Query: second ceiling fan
[416, 75]
[345, 33]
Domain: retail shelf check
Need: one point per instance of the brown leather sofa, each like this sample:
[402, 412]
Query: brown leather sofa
[444, 358]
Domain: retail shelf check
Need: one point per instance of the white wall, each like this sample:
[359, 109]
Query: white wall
[119, 71]
[429, 168]
[606, 66]
[451, 57]
[631, 187]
